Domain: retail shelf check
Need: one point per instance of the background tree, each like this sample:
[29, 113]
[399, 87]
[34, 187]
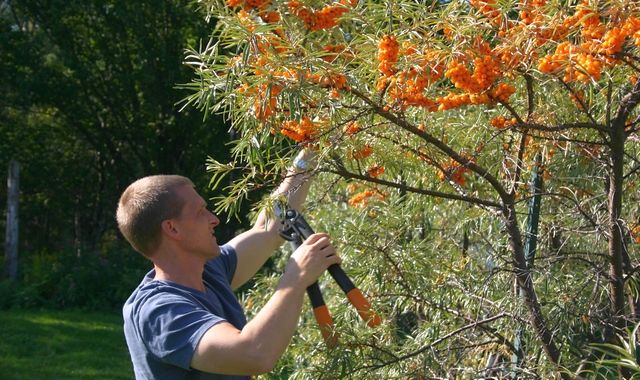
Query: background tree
[431, 121]
[88, 106]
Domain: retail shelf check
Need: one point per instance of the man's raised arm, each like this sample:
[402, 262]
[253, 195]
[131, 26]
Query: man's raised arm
[254, 246]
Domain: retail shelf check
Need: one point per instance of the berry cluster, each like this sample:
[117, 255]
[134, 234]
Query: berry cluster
[453, 101]
[500, 122]
[486, 71]
[589, 20]
[361, 153]
[480, 84]
[585, 60]
[461, 77]
[351, 128]
[502, 92]
[489, 8]
[454, 172]
[375, 170]
[362, 198]
[388, 49]
[325, 18]
[270, 17]
[234, 3]
[247, 20]
[406, 88]
[577, 63]
[635, 232]
[259, 5]
[304, 132]
[531, 11]
[332, 81]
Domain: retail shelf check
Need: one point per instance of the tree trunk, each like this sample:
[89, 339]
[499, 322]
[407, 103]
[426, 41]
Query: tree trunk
[11, 241]
[617, 139]
[525, 283]
[616, 234]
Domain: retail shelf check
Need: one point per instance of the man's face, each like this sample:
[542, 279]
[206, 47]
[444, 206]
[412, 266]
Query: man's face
[196, 225]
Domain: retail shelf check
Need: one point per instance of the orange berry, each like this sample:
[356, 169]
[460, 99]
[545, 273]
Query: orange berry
[375, 171]
[352, 127]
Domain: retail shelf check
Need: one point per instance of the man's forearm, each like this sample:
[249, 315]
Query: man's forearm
[257, 347]
[295, 186]
[297, 182]
[255, 246]
[273, 327]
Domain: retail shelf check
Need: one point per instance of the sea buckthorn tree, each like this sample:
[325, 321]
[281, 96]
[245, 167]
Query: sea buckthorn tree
[478, 171]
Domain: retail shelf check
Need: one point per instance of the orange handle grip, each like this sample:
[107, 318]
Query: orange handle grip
[363, 307]
[326, 325]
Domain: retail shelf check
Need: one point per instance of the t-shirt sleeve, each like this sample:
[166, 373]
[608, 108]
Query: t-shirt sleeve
[173, 326]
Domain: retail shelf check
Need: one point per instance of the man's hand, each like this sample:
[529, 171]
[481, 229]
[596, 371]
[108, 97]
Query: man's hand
[311, 259]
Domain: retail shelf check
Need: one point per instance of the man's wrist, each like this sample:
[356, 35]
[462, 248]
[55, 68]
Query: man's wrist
[305, 161]
[300, 163]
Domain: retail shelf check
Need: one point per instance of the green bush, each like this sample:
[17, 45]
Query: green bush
[62, 279]
[7, 293]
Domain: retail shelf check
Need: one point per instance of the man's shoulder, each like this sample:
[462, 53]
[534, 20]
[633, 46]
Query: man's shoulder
[156, 294]
[144, 298]
[227, 252]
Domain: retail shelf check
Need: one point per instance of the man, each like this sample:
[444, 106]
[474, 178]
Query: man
[184, 321]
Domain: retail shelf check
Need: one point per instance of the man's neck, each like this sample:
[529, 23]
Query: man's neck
[183, 271]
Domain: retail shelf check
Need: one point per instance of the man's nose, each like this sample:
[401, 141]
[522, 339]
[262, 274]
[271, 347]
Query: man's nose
[214, 219]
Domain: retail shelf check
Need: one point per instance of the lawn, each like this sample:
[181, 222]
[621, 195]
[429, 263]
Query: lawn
[42, 345]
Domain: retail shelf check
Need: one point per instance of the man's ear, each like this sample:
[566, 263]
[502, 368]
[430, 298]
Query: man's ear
[170, 229]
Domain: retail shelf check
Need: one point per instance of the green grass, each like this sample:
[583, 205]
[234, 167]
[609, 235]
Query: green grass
[68, 345]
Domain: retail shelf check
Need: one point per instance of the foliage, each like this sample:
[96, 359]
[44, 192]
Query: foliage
[90, 102]
[428, 119]
[611, 355]
[56, 280]
[88, 106]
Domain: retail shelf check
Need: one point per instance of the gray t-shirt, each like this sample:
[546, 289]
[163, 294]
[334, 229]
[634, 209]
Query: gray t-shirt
[164, 321]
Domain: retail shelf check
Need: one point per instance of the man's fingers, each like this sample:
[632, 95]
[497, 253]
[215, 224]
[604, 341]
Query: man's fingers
[334, 259]
[320, 242]
[317, 237]
[315, 255]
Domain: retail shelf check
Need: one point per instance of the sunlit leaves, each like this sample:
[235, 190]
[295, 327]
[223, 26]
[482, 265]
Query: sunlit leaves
[428, 118]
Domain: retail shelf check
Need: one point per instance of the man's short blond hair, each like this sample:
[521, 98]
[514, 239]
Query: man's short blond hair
[144, 205]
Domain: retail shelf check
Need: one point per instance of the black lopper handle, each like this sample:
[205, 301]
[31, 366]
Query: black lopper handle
[354, 294]
[320, 310]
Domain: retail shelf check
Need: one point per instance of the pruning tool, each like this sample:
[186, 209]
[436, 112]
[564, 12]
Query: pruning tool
[295, 229]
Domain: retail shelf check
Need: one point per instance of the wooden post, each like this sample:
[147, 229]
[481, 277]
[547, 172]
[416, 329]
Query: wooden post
[11, 241]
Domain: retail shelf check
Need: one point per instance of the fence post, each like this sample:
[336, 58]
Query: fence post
[11, 241]
[530, 246]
